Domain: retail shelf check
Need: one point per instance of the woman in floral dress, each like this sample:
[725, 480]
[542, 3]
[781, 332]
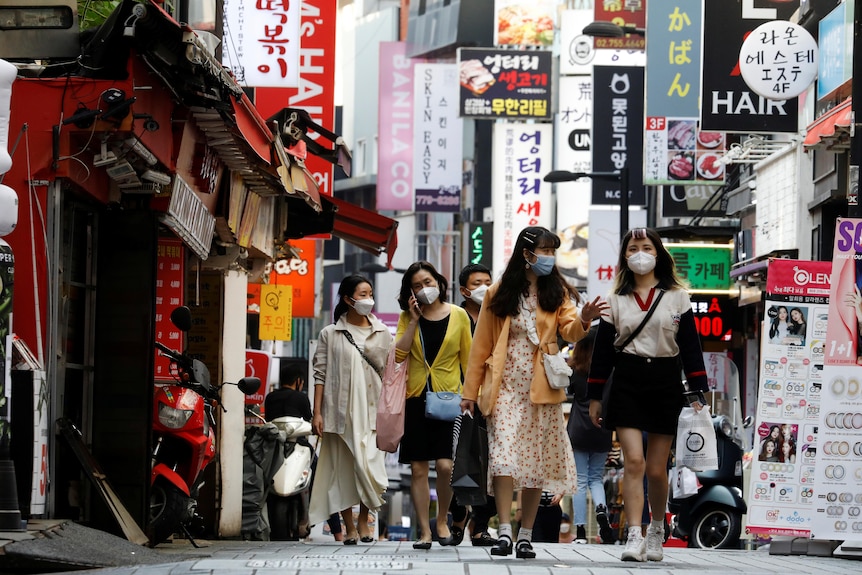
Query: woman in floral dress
[528, 446]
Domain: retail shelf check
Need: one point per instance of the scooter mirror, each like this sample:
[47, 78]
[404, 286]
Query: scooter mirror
[249, 385]
[747, 422]
[182, 318]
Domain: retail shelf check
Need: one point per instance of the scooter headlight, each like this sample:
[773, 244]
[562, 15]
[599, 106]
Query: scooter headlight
[173, 418]
[725, 426]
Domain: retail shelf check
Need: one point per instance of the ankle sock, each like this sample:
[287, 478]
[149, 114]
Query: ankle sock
[525, 534]
[505, 530]
[656, 525]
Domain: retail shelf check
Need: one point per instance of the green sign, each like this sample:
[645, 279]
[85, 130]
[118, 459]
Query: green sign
[479, 250]
[704, 267]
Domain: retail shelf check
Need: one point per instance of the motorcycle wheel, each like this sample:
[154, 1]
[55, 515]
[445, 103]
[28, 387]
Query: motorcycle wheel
[716, 528]
[279, 525]
[169, 507]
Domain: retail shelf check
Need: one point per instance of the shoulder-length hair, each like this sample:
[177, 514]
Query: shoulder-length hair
[348, 288]
[551, 288]
[583, 353]
[665, 270]
[407, 282]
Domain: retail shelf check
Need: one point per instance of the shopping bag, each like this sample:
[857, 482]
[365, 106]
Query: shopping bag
[684, 482]
[390, 407]
[696, 446]
[470, 465]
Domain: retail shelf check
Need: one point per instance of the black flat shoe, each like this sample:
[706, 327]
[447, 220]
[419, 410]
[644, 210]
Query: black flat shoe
[422, 545]
[483, 540]
[446, 541]
[350, 541]
[457, 535]
[502, 547]
[524, 550]
[366, 538]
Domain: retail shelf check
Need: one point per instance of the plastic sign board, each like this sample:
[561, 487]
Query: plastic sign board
[778, 60]
[276, 317]
[706, 268]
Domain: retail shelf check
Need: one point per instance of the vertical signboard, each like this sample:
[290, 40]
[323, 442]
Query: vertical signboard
[170, 282]
[727, 103]
[618, 120]
[673, 58]
[316, 91]
[437, 139]
[520, 159]
[7, 277]
[276, 320]
[782, 488]
[574, 153]
[264, 42]
[480, 247]
[395, 128]
[838, 473]
[603, 249]
[836, 49]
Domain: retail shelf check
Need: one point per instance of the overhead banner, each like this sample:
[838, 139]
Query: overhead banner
[838, 472]
[395, 128]
[783, 488]
[505, 83]
[438, 135]
[520, 159]
[264, 43]
[618, 119]
[727, 103]
[574, 153]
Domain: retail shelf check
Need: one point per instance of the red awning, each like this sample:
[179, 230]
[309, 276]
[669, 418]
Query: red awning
[364, 228]
[831, 131]
[253, 126]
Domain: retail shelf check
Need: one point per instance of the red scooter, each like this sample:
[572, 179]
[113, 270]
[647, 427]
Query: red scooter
[184, 437]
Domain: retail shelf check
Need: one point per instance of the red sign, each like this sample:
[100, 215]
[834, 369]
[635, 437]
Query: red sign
[622, 14]
[170, 279]
[316, 91]
[257, 365]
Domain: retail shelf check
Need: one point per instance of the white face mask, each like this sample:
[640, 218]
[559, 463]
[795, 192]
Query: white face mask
[478, 294]
[363, 306]
[641, 263]
[428, 295]
[565, 527]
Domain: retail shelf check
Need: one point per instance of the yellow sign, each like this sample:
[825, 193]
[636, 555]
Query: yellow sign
[276, 312]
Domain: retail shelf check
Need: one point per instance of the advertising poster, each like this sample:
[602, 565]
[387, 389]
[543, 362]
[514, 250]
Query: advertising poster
[603, 250]
[170, 283]
[438, 136]
[520, 198]
[577, 51]
[395, 128]
[298, 273]
[631, 13]
[782, 482]
[677, 153]
[520, 23]
[505, 83]
[838, 474]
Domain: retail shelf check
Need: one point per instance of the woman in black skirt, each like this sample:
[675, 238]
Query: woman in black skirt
[436, 337]
[647, 394]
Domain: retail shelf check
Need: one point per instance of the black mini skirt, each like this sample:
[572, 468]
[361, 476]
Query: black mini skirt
[646, 394]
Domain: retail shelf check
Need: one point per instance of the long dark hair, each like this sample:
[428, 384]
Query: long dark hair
[348, 288]
[407, 282]
[551, 288]
[583, 353]
[665, 270]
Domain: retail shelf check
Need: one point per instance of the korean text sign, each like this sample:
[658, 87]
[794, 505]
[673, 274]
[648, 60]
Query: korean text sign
[276, 319]
[704, 267]
[170, 285]
[264, 46]
[298, 273]
[505, 83]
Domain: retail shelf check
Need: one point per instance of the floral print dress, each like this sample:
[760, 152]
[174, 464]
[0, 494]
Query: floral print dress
[528, 441]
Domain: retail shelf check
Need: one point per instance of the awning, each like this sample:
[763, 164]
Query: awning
[364, 228]
[831, 131]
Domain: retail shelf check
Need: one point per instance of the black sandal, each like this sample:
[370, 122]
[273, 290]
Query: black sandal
[524, 550]
[503, 546]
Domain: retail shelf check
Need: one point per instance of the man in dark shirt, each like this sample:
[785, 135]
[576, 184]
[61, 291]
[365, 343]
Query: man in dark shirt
[289, 400]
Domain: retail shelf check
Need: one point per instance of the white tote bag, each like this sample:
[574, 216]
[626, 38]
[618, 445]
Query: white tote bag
[683, 482]
[696, 447]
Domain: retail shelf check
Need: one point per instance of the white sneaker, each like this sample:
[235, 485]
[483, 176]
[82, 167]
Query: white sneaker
[654, 541]
[635, 546]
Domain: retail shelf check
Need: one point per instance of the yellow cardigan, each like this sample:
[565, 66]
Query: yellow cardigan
[490, 344]
[451, 360]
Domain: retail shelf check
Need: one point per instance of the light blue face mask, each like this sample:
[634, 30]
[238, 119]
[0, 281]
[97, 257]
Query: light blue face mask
[544, 264]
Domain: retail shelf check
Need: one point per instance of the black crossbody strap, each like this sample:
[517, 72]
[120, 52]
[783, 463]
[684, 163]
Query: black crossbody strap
[637, 330]
[349, 337]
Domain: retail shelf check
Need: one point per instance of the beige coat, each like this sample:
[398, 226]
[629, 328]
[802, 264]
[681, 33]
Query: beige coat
[490, 343]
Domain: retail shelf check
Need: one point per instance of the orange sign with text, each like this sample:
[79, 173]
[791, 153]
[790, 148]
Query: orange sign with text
[299, 274]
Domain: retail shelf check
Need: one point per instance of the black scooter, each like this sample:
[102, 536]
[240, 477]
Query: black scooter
[712, 519]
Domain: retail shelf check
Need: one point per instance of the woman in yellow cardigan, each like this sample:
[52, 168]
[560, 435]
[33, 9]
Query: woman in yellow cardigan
[436, 337]
[529, 448]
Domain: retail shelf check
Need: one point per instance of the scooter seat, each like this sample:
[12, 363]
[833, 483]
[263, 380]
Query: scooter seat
[293, 427]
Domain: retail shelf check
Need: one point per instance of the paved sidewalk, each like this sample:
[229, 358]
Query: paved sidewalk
[270, 558]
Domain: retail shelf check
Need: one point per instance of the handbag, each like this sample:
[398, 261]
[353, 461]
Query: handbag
[696, 446]
[390, 407]
[470, 461]
[557, 370]
[684, 482]
[439, 405]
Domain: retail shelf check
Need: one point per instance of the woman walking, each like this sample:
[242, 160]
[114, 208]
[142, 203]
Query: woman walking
[520, 318]
[644, 352]
[436, 337]
[348, 363]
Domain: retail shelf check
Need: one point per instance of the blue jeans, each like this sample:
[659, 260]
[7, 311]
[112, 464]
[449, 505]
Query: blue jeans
[591, 472]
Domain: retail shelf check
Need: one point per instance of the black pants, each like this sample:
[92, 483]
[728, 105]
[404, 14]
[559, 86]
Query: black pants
[546, 529]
